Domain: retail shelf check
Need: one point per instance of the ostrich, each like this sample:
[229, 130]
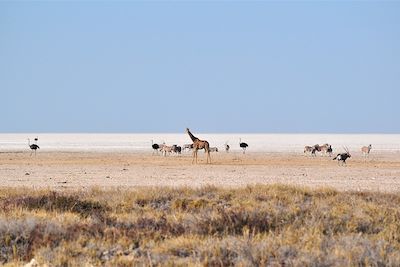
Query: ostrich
[155, 147]
[243, 145]
[33, 146]
[227, 147]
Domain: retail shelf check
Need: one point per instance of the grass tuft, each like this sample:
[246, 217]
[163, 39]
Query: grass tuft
[257, 225]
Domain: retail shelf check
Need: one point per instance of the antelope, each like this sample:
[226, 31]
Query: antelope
[187, 146]
[343, 156]
[213, 149]
[365, 150]
[176, 149]
[329, 151]
[166, 149]
[324, 148]
[310, 149]
[160, 146]
[317, 147]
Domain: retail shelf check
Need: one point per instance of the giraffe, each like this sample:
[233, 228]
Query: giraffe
[199, 144]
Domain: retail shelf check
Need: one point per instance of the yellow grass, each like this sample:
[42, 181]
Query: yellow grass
[257, 225]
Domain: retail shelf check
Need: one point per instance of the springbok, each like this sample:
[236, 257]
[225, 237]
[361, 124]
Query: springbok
[329, 151]
[310, 150]
[343, 156]
[365, 150]
[213, 149]
[317, 147]
[160, 146]
[187, 146]
[166, 149]
[176, 149]
[324, 148]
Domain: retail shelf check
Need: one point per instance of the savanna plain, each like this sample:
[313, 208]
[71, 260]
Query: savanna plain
[269, 209]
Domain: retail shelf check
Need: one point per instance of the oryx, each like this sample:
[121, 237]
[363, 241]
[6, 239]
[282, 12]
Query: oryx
[342, 157]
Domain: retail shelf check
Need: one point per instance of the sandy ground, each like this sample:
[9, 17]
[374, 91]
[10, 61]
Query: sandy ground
[78, 170]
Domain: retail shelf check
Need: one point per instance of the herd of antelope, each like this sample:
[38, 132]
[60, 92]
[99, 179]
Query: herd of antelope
[326, 149]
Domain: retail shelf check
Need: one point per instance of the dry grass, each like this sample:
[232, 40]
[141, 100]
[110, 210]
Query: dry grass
[258, 225]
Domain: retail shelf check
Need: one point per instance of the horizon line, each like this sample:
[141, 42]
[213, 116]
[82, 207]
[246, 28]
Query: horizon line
[350, 133]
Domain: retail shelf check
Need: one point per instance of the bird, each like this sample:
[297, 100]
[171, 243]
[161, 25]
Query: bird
[243, 145]
[33, 147]
[155, 147]
[227, 147]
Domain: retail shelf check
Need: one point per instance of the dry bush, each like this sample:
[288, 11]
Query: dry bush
[54, 201]
[258, 225]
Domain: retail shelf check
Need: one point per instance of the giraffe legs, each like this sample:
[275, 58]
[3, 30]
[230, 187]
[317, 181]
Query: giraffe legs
[194, 155]
[195, 151]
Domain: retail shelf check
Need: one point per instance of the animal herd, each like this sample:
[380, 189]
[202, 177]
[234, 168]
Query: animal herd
[326, 149]
[197, 144]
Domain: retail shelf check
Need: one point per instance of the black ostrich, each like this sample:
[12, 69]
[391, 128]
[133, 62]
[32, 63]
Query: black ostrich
[33, 147]
[155, 147]
[243, 145]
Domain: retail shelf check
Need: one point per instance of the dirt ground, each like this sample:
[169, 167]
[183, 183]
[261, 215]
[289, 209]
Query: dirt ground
[84, 170]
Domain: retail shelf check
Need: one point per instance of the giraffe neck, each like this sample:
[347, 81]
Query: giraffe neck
[194, 138]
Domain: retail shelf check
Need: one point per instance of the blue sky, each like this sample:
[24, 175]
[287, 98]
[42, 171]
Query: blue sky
[291, 67]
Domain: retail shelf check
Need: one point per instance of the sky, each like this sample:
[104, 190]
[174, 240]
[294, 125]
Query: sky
[262, 67]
